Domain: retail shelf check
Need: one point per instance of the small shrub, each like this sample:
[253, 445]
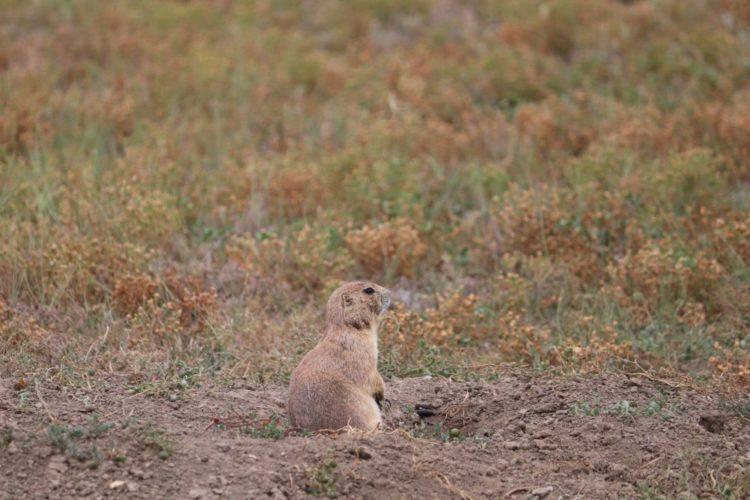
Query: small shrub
[392, 248]
[309, 259]
[320, 480]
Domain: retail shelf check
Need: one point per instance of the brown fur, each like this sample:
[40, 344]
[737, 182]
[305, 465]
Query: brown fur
[337, 384]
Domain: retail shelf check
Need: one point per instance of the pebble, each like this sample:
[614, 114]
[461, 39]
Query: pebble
[516, 445]
[57, 464]
[198, 493]
[544, 445]
[116, 484]
[617, 471]
[547, 407]
[542, 492]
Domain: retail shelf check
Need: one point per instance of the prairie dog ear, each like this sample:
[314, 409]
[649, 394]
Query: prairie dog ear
[346, 300]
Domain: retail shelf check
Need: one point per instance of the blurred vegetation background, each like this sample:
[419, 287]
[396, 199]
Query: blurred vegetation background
[561, 183]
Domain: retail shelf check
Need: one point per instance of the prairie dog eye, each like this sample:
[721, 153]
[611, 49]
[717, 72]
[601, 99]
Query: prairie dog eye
[369, 290]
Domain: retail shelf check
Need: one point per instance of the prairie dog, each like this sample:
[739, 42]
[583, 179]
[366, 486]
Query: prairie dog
[337, 384]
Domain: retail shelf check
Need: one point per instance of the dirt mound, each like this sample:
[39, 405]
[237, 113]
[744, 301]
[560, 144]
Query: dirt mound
[518, 436]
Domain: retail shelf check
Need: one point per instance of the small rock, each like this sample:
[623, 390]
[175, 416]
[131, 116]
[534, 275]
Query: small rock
[132, 486]
[516, 445]
[600, 465]
[42, 451]
[607, 440]
[217, 481]
[223, 446]
[548, 407]
[544, 445]
[116, 484]
[686, 495]
[198, 493]
[617, 471]
[57, 464]
[634, 382]
[713, 422]
[542, 492]
[12, 449]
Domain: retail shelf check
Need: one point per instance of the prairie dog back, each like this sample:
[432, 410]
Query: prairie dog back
[337, 384]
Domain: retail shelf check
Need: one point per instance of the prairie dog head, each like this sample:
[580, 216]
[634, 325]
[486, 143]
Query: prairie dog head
[358, 304]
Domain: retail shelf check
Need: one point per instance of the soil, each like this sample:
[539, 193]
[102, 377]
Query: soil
[520, 435]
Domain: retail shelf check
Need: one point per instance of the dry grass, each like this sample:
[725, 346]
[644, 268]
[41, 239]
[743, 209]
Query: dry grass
[559, 183]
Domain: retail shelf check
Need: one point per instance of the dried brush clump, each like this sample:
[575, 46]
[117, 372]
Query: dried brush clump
[165, 310]
[295, 192]
[520, 339]
[598, 346]
[732, 363]
[392, 248]
[308, 259]
[537, 223]
[19, 329]
[653, 280]
[731, 236]
[553, 127]
[731, 124]
[453, 321]
[73, 269]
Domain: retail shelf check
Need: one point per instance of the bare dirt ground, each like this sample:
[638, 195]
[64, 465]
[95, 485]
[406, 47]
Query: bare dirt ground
[518, 436]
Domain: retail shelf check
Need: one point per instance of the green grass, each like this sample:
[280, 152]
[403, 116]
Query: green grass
[320, 479]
